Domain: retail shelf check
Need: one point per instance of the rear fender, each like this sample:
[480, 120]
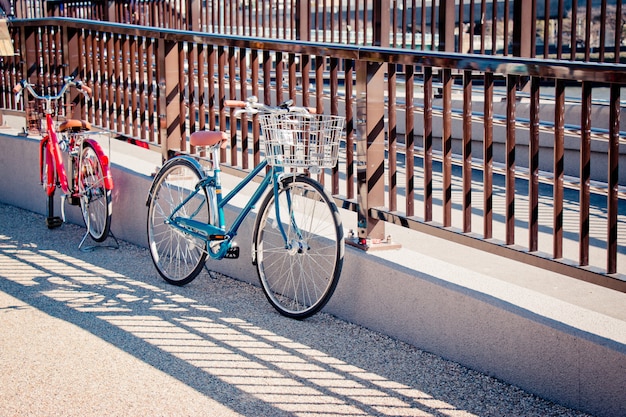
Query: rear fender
[104, 161]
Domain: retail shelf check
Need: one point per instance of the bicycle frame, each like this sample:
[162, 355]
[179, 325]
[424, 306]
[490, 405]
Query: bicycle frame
[210, 232]
[50, 146]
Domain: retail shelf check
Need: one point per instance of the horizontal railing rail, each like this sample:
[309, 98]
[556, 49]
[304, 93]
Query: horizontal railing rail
[477, 177]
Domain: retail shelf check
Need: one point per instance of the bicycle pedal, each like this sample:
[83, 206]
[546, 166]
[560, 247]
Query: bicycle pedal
[232, 252]
[53, 222]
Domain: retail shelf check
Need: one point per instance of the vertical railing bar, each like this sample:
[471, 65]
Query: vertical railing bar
[340, 7]
[395, 23]
[319, 82]
[212, 61]
[588, 22]
[423, 25]
[255, 92]
[433, 27]
[243, 87]
[618, 30]
[511, 85]
[613, 179]
[533, 165]
[461, 19]
[291, 79]
[483, 29]
[232, 79]
[546, 32]
[324, 20]
[472, 27]
[141, 80]
[392, 110]
[267, 77]
[152, 90]
[602, 32]
[573, 29]
[467, 151]
[192, 65]
[334, 110]
[278, 71]
[533, 29]
[134, 97]
[182, 107]
[505, 29]
[559, 38]
[305, 68]
[319, 91]
[446, 147]
[557, 195]
[488, 156]
[118, 80]
[221, 93]
[125, 84]
[316, 18]
[428, 144]
[357, 27]
[409, 140]
[110, 119]
[585, 174]
[413, 22]
[350, 129]
[89, 75]
[202, 81]
[494, 27]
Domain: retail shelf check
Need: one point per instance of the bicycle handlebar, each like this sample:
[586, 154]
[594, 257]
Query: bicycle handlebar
[68, 81]
[252, 106]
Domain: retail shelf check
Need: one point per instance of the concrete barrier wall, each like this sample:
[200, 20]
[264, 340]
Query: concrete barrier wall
[471, 308]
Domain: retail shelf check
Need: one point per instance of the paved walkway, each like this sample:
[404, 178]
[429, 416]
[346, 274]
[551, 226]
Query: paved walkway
[99, 334]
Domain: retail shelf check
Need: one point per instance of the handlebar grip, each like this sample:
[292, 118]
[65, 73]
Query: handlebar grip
[85, 89]
[18, 88]
[234, 103]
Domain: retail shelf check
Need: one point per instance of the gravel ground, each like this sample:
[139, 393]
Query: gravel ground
[99, 333]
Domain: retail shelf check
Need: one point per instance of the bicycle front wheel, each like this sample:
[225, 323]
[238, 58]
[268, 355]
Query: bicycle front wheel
[95, 198]
[178, 256]
[300, 273]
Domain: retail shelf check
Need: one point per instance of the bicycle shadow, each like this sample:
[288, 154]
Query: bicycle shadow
[220, 337]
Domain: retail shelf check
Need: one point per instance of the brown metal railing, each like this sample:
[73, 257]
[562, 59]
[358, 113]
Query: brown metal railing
[433, 141]
[560, 29]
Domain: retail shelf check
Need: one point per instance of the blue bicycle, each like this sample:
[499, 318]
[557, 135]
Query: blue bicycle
[298, 239]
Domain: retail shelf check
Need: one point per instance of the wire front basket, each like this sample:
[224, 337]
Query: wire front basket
[301, 140]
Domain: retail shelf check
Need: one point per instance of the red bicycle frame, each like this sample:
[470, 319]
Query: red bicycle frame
[50, 150]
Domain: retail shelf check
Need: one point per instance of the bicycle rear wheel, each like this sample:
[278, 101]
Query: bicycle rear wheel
[299, 276]
[95, 199]
[178, 256]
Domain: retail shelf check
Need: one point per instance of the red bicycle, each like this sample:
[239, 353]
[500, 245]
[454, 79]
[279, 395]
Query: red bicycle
[88, 182]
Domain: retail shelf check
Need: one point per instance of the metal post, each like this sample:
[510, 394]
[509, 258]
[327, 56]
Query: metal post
[169, 106]
[370, 143]
[195, 14]
[447, 24]
[303, 31]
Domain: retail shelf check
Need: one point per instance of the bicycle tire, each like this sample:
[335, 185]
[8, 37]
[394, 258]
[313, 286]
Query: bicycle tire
[300, 279]
[95, 198]
[177, 256]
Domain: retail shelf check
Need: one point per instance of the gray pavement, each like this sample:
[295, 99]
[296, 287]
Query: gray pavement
[100, 334]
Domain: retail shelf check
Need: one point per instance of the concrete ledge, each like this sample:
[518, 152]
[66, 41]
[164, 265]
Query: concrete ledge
[561, 339]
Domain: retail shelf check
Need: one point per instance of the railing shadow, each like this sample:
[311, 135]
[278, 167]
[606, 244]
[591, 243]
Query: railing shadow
[220, 337]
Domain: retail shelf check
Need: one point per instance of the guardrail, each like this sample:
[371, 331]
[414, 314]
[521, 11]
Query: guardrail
[562, 29]
[429, 144]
